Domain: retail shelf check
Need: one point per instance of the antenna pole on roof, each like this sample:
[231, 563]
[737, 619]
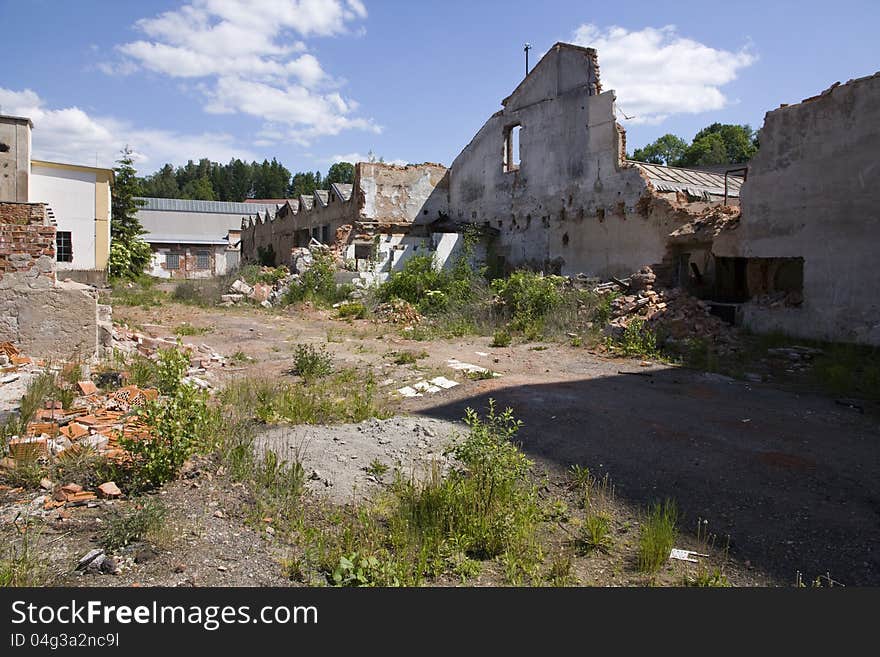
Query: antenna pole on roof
[526, 48]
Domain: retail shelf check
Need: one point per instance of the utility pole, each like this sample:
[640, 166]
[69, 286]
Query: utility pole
[526, 49]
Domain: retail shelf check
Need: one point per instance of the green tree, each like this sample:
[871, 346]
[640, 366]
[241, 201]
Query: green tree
[721, 143]
[667, 149]
[129, 254]
[303, 183]
[341, 172]
[200, 189]
[162, 184]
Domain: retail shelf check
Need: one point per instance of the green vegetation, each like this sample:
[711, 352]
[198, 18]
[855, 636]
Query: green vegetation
[21, 563]
[139, 291]
[409, 357]
[352, 310]
[317, 285]
[188, 329]
[239, 180]
[501, 338]
[311, 362]
[657, 536]
[348, 395]
[132, 525]
[713, 145]
[129, 254]
[638, 340]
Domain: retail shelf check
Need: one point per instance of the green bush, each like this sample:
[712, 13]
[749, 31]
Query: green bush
[311, 362]
[487, 508]
[527, 299]
[432, 289]
[127, 527]
[171, 367]
[177, 424]
[501, 338]
[638, 340]
[353, 310]
[317, 284]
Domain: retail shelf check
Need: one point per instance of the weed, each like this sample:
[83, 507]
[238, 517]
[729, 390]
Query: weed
[317, 284]
[708, 578]
[127, 527]
[636, 341]
[527, 299]
[81, 464]
[580, 477]
[352, 310]
[363, 570]
[377, 468]
[560, 572]
[310, 362]
[480, 375]
[140, 292]
[240, 358]
[501, 338]
[577, 341]
[595, 533]
[22, 565]
[657, 536]
[409, 357]
[189, 329]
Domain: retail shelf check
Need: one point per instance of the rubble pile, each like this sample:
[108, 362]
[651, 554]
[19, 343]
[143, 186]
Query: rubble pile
[398, 311]
[671, 312]
[707, 225]
[264, 293]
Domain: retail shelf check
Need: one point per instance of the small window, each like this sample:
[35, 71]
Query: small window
[203, 260]
[511, 148]
[325, 234]
[172, 261]
[63, 246]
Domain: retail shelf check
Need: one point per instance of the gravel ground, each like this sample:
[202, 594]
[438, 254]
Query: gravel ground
[337, 458]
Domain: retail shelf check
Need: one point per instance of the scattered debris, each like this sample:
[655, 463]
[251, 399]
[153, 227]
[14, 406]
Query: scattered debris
[398, 311]
[686, 555]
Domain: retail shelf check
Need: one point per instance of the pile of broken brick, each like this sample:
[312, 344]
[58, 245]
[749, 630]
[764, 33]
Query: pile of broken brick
[397, 311]
[673, 313]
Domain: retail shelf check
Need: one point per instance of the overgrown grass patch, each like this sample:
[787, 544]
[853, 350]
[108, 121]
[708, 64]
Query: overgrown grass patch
[134, 524]
[657, 536]
[140, 292]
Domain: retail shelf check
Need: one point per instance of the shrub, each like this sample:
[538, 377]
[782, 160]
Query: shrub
[177, 423]
[501, 338]
[317, 284]
[171, 367]
[527, 299]
[310, 362]
[657, 536]
[433, 289]
[127, 527]
[638, 340]
[353, 310]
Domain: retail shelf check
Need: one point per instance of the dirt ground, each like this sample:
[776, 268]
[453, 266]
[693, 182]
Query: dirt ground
[791, 477]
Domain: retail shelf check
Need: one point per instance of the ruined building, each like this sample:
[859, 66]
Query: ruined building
[42, 316]
[547, 183]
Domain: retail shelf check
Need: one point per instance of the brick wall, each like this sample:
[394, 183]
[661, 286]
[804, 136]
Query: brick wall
[27, 240]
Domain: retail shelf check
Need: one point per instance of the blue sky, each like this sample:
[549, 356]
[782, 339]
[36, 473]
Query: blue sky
[313, 81]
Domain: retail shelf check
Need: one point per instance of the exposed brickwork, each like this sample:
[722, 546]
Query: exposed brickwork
[27, 241]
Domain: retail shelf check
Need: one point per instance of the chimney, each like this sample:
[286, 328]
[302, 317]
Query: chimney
[15, 158]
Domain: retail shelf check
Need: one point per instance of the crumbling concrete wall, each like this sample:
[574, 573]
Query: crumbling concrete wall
[811, 193]
[15, 158]
[294, 225]
[42, 317]
[390, 194]
[573, 204]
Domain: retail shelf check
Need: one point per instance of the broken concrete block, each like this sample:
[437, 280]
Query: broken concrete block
[266, 303]
[87, 387]
[72, 489]
[109, 489]
[231, 298]
[242, 288]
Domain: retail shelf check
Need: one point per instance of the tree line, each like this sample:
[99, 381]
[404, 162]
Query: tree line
[717, 144]
[239, 180]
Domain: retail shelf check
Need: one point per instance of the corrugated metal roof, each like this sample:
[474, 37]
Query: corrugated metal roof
[344, 190]
[696, 183]
[154, 238]
[208, 207]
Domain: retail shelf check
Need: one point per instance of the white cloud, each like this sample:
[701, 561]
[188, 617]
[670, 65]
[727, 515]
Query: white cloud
[71, 135]
[248, 56]
[354, 158]
[658, 72]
